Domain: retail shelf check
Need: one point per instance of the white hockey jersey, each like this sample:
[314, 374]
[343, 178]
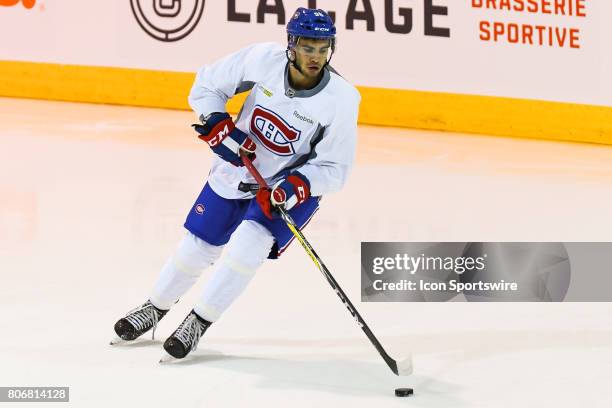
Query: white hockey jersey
[313, 131]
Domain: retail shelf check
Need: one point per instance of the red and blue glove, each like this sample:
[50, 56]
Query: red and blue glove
[287, 193]
[225, 139]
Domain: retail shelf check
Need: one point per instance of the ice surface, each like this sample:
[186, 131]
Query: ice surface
[92, 200]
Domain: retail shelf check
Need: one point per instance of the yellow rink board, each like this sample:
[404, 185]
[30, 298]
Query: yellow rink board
[383, 107]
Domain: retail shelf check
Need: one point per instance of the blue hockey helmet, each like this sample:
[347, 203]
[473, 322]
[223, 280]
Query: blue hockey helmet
[310, 23]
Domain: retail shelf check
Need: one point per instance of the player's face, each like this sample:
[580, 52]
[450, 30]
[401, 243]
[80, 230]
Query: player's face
[311, 55]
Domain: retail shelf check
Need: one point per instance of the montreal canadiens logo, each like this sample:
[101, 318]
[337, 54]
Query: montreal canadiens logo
[273, 132]
[199, 209]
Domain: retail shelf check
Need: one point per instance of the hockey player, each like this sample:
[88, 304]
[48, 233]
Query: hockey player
[299, 126]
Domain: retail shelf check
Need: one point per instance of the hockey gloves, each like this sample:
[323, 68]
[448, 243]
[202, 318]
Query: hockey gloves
[287, 193]
[219, 131]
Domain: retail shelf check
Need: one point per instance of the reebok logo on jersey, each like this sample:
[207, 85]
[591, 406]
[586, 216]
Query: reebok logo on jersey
[302, 117]
[273, 132]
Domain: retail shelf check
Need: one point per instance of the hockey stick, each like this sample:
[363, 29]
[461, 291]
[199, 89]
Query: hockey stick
[404, 367]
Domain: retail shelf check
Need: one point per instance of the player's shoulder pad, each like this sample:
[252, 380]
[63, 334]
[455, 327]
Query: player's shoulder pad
[267, 50]
[343, 88]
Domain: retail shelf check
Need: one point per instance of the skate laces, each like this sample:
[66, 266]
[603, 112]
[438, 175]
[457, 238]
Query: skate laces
[143, 317]
[189, 331]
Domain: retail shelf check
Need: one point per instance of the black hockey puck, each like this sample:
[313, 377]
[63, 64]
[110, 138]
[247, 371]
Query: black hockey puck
[403, 392]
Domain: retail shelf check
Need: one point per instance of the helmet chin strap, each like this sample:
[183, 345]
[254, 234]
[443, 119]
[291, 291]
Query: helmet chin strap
[292, 57]
[293, 61]
[330, 58]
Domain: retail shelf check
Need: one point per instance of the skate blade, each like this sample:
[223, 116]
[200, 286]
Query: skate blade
[166, 358]
[117, 340]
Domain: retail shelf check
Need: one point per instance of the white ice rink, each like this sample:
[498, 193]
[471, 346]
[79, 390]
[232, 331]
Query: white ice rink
[92, 201]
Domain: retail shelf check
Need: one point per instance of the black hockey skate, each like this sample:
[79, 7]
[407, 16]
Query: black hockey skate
[185, 339]
[139, 321]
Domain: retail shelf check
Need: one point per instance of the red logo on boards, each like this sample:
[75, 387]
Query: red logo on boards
[26, 3]
[273, 132]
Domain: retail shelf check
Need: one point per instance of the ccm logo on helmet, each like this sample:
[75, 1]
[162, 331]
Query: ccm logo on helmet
[273, 132]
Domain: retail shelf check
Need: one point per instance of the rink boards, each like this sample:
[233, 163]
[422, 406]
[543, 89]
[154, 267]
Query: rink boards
[380, 106]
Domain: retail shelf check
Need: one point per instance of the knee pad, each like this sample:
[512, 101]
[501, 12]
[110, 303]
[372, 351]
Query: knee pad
[193, 255]
[248, 247]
